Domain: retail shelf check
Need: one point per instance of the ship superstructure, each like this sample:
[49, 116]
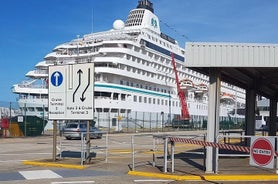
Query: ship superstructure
[133, 73]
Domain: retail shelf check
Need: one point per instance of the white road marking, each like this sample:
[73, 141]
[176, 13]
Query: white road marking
[39, 174]
[73, 182]
[3, 161]
[5, 154]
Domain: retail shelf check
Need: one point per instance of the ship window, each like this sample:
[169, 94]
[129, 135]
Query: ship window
[135, 98]
[31, 109]
[158, 101]
[140, 99]
[39, 109]
[150, 100]
[114, 110]
[122, 111]
[166, 102]
[162, 102]
[102, 94]
[121, 82]
[99, 109]
[105, 110]
[154, 101]
[115, 96]
[123, 97]
[145, 99]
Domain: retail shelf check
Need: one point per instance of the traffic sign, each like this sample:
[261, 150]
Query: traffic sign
[56, 78]
[80, 91]
[71, 92]
[262, 151]
[56, 92]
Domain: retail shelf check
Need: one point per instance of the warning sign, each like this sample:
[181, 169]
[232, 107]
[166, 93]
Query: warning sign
[262, 151]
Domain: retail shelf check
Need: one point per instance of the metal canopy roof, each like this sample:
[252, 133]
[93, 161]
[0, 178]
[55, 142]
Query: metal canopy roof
[249, 66]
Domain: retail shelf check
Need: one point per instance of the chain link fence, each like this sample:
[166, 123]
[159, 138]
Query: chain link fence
[32, 120]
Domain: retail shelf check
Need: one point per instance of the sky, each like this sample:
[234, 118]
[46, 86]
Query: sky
[30, 29]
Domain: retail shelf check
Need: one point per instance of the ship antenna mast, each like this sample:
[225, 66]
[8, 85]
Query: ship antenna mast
[92, 21]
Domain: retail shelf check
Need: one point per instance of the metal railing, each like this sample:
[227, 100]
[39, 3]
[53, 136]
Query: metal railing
[84, 149]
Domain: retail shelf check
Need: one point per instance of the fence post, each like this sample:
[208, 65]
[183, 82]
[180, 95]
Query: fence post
[165, 154]
[133, 154]
[173, 156]
[106, 151]
[154, 148]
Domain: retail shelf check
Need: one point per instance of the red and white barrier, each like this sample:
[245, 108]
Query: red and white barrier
[212, 144]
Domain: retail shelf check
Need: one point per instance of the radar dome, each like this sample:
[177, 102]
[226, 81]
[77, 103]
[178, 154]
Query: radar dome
[118, 24]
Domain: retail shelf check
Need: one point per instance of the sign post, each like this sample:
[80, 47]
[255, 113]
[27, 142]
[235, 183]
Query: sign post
[71, 94]
[262, 151]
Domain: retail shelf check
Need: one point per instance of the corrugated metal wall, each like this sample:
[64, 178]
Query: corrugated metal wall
[210, 54]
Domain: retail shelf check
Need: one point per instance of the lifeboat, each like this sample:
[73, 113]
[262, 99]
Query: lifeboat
[186, 84]
[226, 97]
[201, 88]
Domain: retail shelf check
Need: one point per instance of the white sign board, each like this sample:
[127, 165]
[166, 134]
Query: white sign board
[71, 92]
[262, 151]
[19, 118]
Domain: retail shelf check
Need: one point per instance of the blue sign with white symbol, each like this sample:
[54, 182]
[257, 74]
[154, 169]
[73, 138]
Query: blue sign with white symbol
[56, 78]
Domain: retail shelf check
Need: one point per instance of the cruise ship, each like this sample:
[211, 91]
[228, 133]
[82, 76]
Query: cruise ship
[135, 84]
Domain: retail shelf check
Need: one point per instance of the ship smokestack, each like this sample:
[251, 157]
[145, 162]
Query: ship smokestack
[145, 4]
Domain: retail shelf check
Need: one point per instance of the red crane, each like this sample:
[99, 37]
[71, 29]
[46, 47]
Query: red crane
[184, 109]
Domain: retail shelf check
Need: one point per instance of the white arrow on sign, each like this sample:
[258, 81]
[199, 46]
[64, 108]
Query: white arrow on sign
[56, 75]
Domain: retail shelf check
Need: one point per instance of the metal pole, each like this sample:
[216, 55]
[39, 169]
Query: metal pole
[82, 149]
[135, 121]
[150, 121]
[165, 154]
[54, 152]
[43, 125]
[106, 151]
[133, 154]
[173, 155]
[127, 120]
[88, 144]
[154, 148]
[10, 118]
[25, 120]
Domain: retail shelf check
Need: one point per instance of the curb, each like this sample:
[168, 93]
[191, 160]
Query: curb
[232, 177]
[52, 164]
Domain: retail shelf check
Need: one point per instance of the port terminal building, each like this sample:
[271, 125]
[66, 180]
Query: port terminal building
[250, 66]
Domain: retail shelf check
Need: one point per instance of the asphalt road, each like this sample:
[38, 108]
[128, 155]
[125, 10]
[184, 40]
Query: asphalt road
[13, 151]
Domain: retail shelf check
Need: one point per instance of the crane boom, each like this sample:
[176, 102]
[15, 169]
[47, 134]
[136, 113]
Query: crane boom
[184, 109]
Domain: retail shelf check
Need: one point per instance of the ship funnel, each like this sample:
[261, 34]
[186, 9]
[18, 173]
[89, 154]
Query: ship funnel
[145, 4]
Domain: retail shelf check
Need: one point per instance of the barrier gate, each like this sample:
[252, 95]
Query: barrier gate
[259, 152]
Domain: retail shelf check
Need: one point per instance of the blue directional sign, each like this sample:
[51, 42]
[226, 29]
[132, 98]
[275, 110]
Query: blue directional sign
[56, 78]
